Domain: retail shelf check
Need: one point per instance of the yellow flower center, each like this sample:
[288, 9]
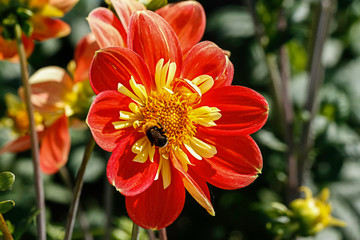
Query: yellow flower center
[17, 114]
[172, 112]
[21, 121]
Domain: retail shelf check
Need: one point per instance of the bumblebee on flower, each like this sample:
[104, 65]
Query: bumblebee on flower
[171, 122]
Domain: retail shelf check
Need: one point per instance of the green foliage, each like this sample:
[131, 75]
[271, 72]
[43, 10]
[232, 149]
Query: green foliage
[6, 206]
[123, 228]
[226, 21]
[154, 5]
[6, 180]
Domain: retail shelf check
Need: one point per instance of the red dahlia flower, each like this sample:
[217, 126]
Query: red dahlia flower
[171, 123]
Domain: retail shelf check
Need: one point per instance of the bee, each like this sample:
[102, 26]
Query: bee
[156, 134]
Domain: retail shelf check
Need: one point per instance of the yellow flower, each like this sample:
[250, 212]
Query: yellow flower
[17, 118]
[314, 213]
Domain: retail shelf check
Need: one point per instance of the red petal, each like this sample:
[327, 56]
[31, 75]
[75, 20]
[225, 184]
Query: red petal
[152, 38]
[63, 5]
[196, 186]
[237, 163]
[188, 20]
[157, 207]
[45, 28]
[103, 111]
[205, 58]
[243, 111]
[55, 146]
[128, 177]
[20, 144]
[83, 56]
[49, 86]
[8, 49]
[114, 65]
[226, 78]
[124, 9]
[108, 30]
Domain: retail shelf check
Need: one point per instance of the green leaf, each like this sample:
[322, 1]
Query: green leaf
[332, 52]
[26, 223]
[6, 180]
[268, 139]
[57, 193]
[6, 206]
[154, 5]
[232, 22]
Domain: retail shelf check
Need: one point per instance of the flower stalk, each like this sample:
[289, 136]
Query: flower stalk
[41, 227]
[162, 234]
[109, 202]
[4, 229]
[65, 175]
[135, 232]
[317, 73]
[280, 75]
[77, 190]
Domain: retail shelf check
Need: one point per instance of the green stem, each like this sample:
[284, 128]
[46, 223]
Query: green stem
[151, 234]
[77, 190]
[279, 76]
[41, 222]
[109, 202]
[65, 175]
[316, 79]
[135, 232]
[288, 115]
[162, 234]
[4, 229]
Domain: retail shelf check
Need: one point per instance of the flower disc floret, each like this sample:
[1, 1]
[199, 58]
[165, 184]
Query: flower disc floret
[172, 112]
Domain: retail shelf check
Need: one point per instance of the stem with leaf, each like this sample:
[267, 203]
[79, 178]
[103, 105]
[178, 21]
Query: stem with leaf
[4, 229]
[77, 190]
[41, 222]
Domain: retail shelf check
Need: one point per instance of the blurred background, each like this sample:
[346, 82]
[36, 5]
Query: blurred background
[281, 41]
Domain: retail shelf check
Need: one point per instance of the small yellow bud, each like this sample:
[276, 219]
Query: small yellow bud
[313, 213]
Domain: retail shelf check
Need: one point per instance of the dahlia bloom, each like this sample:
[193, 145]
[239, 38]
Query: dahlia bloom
[56, 98]
[37, 19]
[171, 122]
[187, 18]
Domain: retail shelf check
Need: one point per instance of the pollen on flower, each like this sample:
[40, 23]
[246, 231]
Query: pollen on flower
[19, 118]
[172, 112]
[21, 121]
